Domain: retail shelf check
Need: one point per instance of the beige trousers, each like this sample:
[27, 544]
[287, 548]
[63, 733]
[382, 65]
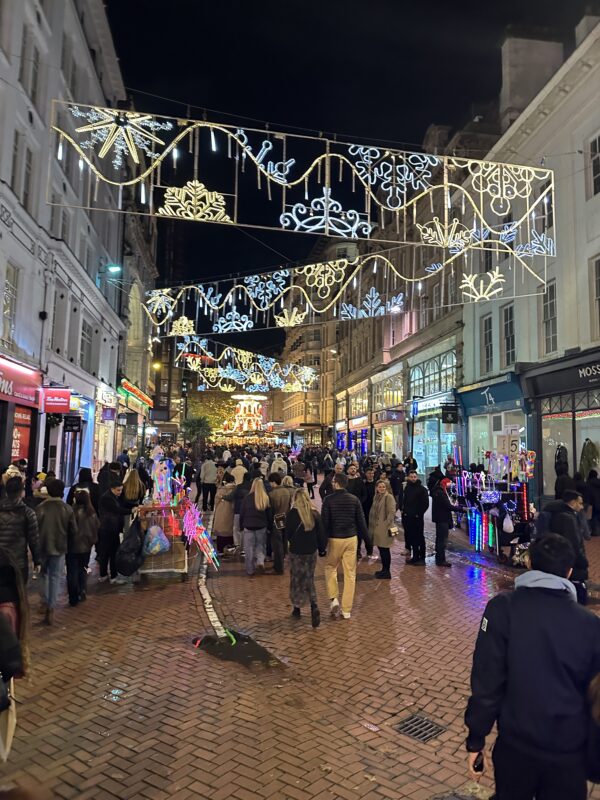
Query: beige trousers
[341, 551]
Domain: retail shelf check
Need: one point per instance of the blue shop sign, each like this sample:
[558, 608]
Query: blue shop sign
[487, 398]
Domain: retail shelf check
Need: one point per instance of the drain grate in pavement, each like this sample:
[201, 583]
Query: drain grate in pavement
[420, 728]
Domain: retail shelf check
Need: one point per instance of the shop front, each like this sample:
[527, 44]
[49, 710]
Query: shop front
[388, 431]
[358, 435]
[565, 399]
[133, 416]
[341, 435]
[492, 411]
[19, 403]
[432, 439]
[104, 427]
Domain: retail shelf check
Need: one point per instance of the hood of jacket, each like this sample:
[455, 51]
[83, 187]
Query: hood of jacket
[536, 579]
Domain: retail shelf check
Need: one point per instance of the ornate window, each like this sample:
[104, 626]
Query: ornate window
[416, 381]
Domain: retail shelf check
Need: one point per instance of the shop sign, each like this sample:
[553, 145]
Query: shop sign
[488, 398]
[341, 425]
[131, 388]
[359, 422]
[72, 423]
[21, 433]
[450, 415]
[582, 376]
[57, 401]
[109, 414]
[430, 403]
[389, 415]
[106, 397]
[19, 383]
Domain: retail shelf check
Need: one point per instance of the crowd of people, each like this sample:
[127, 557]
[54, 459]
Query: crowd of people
[261, 499]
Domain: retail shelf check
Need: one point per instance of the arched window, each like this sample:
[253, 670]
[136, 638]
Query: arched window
[447, 371]
[431, 379]
[416, 381]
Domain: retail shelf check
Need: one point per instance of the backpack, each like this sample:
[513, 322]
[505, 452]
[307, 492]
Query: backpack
[542, 524]
[129, 555]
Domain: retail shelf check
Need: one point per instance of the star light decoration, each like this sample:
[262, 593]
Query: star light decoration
[123, 132]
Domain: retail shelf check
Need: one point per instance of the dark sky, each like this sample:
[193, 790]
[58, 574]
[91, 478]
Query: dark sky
[375, 69]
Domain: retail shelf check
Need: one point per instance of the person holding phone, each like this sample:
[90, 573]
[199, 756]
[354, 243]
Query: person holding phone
[536, 653]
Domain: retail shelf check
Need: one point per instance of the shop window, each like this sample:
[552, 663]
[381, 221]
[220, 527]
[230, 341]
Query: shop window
[487, 344]
[508, 336]
[557, 432]
[85, 351]
[447, 372]
[549, 321]
[9, 306]
[340, 407]
[431, 375]
[595, 165]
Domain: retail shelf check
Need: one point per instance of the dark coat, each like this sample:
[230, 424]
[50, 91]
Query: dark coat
[91, 487]
[301, 541]
[253, 518]
[441, 507]
[416, 499]
[563, 482]
[112, 514]
[564, 522]
[356, 486]
[238, 495]
[19, 531]
[86, 535]
[369, 496]
[397, 483]
[56, 522]
[542, 633]
[343, 516]
[326, 487]
[592, 495]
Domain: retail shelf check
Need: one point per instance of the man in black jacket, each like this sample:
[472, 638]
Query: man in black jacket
[564, 521]
[344, 522]
[441, 515]
[536, 653]
[414, 505]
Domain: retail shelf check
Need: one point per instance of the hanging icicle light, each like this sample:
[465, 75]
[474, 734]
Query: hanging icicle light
[143, 192]
[419, 287]
[354, 283]
[175, 156]
[213, 141]
[59, 153]
[80, 164]
[375, 267]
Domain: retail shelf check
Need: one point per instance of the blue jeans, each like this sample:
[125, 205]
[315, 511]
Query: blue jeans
[54, 567]
[255, 544]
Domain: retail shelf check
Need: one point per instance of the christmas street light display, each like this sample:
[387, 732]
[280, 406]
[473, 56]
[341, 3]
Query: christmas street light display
[449, 205]
[248, 416]
[226, 368]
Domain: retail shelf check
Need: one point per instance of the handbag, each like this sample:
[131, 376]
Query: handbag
[393, 530]
[8, 719]
[279, 521]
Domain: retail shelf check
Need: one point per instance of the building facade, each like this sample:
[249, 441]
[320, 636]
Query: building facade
[62, 322]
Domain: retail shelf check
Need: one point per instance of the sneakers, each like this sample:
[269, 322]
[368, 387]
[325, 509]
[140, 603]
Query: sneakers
[345, 614]
[335, 608]
[416, 562]
[315, 616]
[119, 581]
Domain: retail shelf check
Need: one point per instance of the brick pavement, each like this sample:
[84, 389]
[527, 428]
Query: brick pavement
[121, 705]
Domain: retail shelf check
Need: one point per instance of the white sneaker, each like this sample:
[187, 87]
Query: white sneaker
[119, 580]
[102, 578]
[335, 608]
[346, 614]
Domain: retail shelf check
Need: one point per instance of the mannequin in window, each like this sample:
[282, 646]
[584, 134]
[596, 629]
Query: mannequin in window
[589, 457]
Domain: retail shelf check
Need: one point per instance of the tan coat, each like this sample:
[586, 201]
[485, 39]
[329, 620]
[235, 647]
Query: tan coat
[223, 519]
[381, 517]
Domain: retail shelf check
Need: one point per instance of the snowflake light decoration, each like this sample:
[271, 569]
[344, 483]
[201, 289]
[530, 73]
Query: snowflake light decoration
[183, 326]
[125, 131]
[485, 290]
[289, 319]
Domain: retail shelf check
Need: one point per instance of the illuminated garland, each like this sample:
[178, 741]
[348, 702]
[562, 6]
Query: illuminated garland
[233, 367]
[304, 179]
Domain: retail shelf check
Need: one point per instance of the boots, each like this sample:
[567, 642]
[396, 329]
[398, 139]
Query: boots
[315, 616]
[49, 618]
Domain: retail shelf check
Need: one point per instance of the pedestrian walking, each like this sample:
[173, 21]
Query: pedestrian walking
[56, 522]
[397, 479]
[369, 492]
[536, 653]
[441, 515]
[14, 612]
[255, 520]
[85, 481]
[79, 546]
[281, 502]
[344, 522]
[19, 527]
[238, 471]
[133, 495]
[381, 522]
[222, 526]
[208, 479]
[236, 497]
[306, 537]
[112, 513]
[414, 505]
[410, 463]
[298, 470]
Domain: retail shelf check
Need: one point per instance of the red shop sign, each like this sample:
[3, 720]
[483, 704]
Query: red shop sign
[21, 433]
[19, 383]
[57, 401]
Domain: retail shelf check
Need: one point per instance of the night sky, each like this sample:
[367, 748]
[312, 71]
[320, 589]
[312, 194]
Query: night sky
[364, 69]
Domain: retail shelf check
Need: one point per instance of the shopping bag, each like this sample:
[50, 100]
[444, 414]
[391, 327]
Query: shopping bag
[8, 723]
[156, 542]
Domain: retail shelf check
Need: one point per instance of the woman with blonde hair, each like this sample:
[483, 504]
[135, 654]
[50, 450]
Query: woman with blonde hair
[306, 536]
[133, 495]
[255, 520]
[381, 520]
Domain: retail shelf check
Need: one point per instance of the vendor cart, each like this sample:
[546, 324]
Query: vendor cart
[170, 519]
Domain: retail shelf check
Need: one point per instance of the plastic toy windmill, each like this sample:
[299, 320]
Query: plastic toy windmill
[194, 531]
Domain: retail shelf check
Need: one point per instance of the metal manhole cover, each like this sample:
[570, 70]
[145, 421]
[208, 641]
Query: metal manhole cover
[420, 728]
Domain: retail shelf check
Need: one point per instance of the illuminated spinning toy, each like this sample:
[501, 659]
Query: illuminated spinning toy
[161, 475]
[194, 531]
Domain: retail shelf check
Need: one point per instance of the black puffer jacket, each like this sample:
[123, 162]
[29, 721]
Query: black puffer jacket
[416, 499]
[19, 531]
[343, 516]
